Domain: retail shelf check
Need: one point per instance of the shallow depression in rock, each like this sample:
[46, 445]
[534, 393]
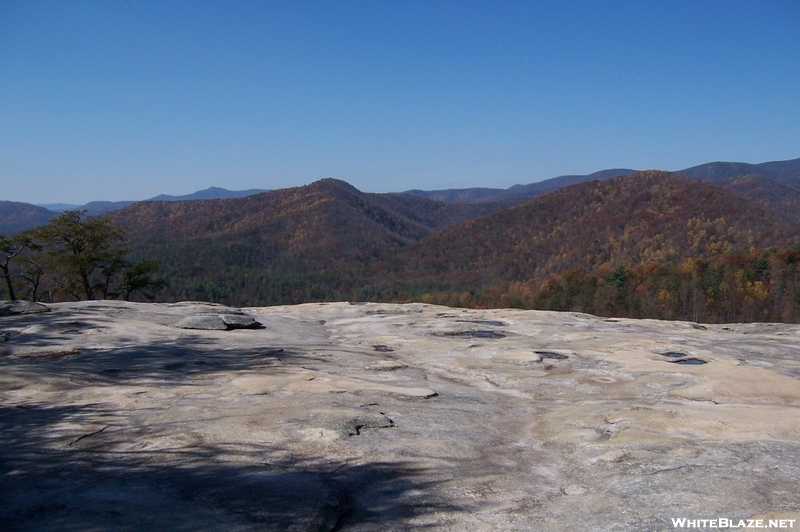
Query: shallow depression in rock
[551, 355]
[689, 362]
[381, 348]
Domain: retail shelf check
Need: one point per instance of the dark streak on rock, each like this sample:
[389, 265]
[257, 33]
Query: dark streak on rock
[87, 436]
[473, 334]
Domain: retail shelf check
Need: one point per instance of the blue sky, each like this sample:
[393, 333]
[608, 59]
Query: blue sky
[122, 100]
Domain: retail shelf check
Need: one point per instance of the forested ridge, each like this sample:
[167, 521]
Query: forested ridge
[649, 216]
[688, 249]
[287, 246]
[16, 216]
[651, 244]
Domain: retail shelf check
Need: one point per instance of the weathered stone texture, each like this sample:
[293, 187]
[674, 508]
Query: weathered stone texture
[390, 417]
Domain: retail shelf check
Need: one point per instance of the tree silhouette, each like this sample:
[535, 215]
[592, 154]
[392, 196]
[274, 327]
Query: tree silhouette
[11, 248]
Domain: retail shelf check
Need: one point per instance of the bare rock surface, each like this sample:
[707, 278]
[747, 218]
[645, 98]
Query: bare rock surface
[210, 321]
[391, 417]
[10, 308]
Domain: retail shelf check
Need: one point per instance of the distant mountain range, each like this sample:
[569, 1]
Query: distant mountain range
[210, 193]
[99, 207]
[787, 172]
[17, 216]
[328, 240]
[725, 247]
[519, 192]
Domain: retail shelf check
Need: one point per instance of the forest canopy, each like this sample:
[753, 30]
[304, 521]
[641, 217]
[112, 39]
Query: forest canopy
[648, 245]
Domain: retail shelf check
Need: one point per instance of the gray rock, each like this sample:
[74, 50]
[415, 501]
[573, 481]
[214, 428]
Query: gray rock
[10, 308]
[239, 321]
[205, 323]
[218, 322]
[112, 421]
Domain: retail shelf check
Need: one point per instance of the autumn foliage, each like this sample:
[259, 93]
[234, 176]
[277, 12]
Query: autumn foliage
[649, 245]
[759, 285]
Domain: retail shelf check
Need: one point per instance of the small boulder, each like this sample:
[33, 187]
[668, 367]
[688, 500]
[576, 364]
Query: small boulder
[239, 321]
[10, 308]
[206, 323]
[218, 322]
[385, 365]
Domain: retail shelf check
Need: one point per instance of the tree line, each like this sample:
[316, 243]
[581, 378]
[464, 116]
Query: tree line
[74, 256]
[746, 286]
[78, 257]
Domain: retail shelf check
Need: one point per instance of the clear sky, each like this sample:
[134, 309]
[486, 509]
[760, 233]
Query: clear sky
[113, 100]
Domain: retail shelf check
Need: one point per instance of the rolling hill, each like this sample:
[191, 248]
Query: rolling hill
[16, 216]
[210, 193]
[328, 240]
[783, 172]
[287, 245]
[786, 172]
[101, 207]
[649, 244]
[647, 216]
[516, 193]
[780, 198]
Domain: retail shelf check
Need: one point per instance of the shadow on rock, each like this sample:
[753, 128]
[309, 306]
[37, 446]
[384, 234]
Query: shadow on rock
[173, 363]
[48, 481]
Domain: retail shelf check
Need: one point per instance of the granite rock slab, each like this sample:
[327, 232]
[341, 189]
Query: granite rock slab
[218, 322]
[371, 417]
[11, 308]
